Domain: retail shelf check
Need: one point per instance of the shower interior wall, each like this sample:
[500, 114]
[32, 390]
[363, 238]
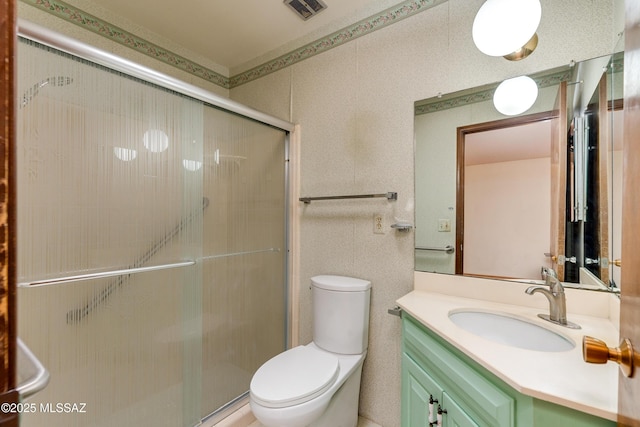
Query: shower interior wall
[162, 348]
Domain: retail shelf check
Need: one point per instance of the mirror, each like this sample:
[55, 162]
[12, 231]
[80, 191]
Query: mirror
[484, 182]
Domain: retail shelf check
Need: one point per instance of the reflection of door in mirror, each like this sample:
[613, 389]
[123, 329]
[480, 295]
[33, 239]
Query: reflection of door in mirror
[614, 169]
[503, 197]
[615, 180]
[558, 180]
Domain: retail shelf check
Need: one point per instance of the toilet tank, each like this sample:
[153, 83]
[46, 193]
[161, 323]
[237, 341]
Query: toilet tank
[341, 313]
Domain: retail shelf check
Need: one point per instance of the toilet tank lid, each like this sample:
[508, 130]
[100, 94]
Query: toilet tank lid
[340, 283]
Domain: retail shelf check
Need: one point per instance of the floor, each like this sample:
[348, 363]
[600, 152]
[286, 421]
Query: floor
[361, 423]
[244, 418]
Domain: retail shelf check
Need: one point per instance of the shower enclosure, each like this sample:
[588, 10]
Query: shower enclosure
[152, 243]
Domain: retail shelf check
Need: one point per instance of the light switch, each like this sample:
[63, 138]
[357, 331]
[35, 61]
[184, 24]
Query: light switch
[444, 225]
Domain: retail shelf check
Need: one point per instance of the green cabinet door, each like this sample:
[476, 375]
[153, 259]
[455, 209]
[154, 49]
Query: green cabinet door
[421, 393]
[455, 416]
[418, 388]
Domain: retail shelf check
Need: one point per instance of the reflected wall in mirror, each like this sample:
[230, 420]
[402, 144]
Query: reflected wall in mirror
[484, 183]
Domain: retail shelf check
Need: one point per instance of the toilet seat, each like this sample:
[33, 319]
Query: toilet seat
[293, 377]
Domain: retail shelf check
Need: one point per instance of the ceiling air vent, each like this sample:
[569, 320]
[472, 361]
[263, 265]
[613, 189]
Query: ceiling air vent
[305, 9]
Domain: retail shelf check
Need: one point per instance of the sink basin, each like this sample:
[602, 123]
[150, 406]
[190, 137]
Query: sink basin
[511, 331]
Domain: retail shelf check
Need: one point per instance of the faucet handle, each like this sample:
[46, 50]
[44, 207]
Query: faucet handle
[544, 272]
[547, 271]
[551, 279]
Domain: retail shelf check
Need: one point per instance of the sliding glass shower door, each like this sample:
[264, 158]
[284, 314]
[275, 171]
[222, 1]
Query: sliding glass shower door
[244, 254]
[151, 246]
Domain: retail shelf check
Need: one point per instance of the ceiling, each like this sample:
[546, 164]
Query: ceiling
[232, 33]
[529, 141]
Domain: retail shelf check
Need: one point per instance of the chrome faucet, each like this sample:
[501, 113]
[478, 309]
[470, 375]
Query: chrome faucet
[556, 297]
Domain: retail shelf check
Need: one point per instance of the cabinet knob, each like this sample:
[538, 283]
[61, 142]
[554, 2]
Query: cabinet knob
[596, 351]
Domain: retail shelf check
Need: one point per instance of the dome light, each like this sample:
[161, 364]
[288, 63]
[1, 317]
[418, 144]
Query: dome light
[515, 96]
[507, 28]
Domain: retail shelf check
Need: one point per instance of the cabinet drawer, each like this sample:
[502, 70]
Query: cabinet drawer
[479, 398]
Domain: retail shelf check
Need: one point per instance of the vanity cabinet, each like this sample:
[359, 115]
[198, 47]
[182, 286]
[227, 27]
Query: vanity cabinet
[432, 372]
[466, 393]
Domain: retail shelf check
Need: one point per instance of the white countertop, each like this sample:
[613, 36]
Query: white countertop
[558, 377]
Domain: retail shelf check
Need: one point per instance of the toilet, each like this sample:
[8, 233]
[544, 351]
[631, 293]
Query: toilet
[318, 384]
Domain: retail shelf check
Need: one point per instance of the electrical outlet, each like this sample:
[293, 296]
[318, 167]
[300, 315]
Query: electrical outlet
[378, 224]
[444, 225]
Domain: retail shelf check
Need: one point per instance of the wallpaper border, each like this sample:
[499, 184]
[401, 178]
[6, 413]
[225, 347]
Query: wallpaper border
[484, 93]
[543, 79]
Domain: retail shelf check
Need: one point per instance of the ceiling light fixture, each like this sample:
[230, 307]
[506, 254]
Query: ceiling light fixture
[507, 28]
[515, 96]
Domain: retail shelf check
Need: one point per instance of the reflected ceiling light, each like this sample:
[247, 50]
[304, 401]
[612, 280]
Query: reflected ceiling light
[515, 96]
[156, 140]
[125, 154]
[507, 28]
[191, 165]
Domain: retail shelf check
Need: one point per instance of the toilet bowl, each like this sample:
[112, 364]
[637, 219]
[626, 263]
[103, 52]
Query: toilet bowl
[318, 384]
[310, 379]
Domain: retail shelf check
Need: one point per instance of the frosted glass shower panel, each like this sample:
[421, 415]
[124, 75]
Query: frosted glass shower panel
[244, 286]
[104, 184]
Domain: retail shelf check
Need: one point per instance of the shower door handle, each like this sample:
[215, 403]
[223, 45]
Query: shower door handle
[32, 375]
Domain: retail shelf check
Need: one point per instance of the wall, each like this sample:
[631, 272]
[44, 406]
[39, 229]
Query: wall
[355, 107]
